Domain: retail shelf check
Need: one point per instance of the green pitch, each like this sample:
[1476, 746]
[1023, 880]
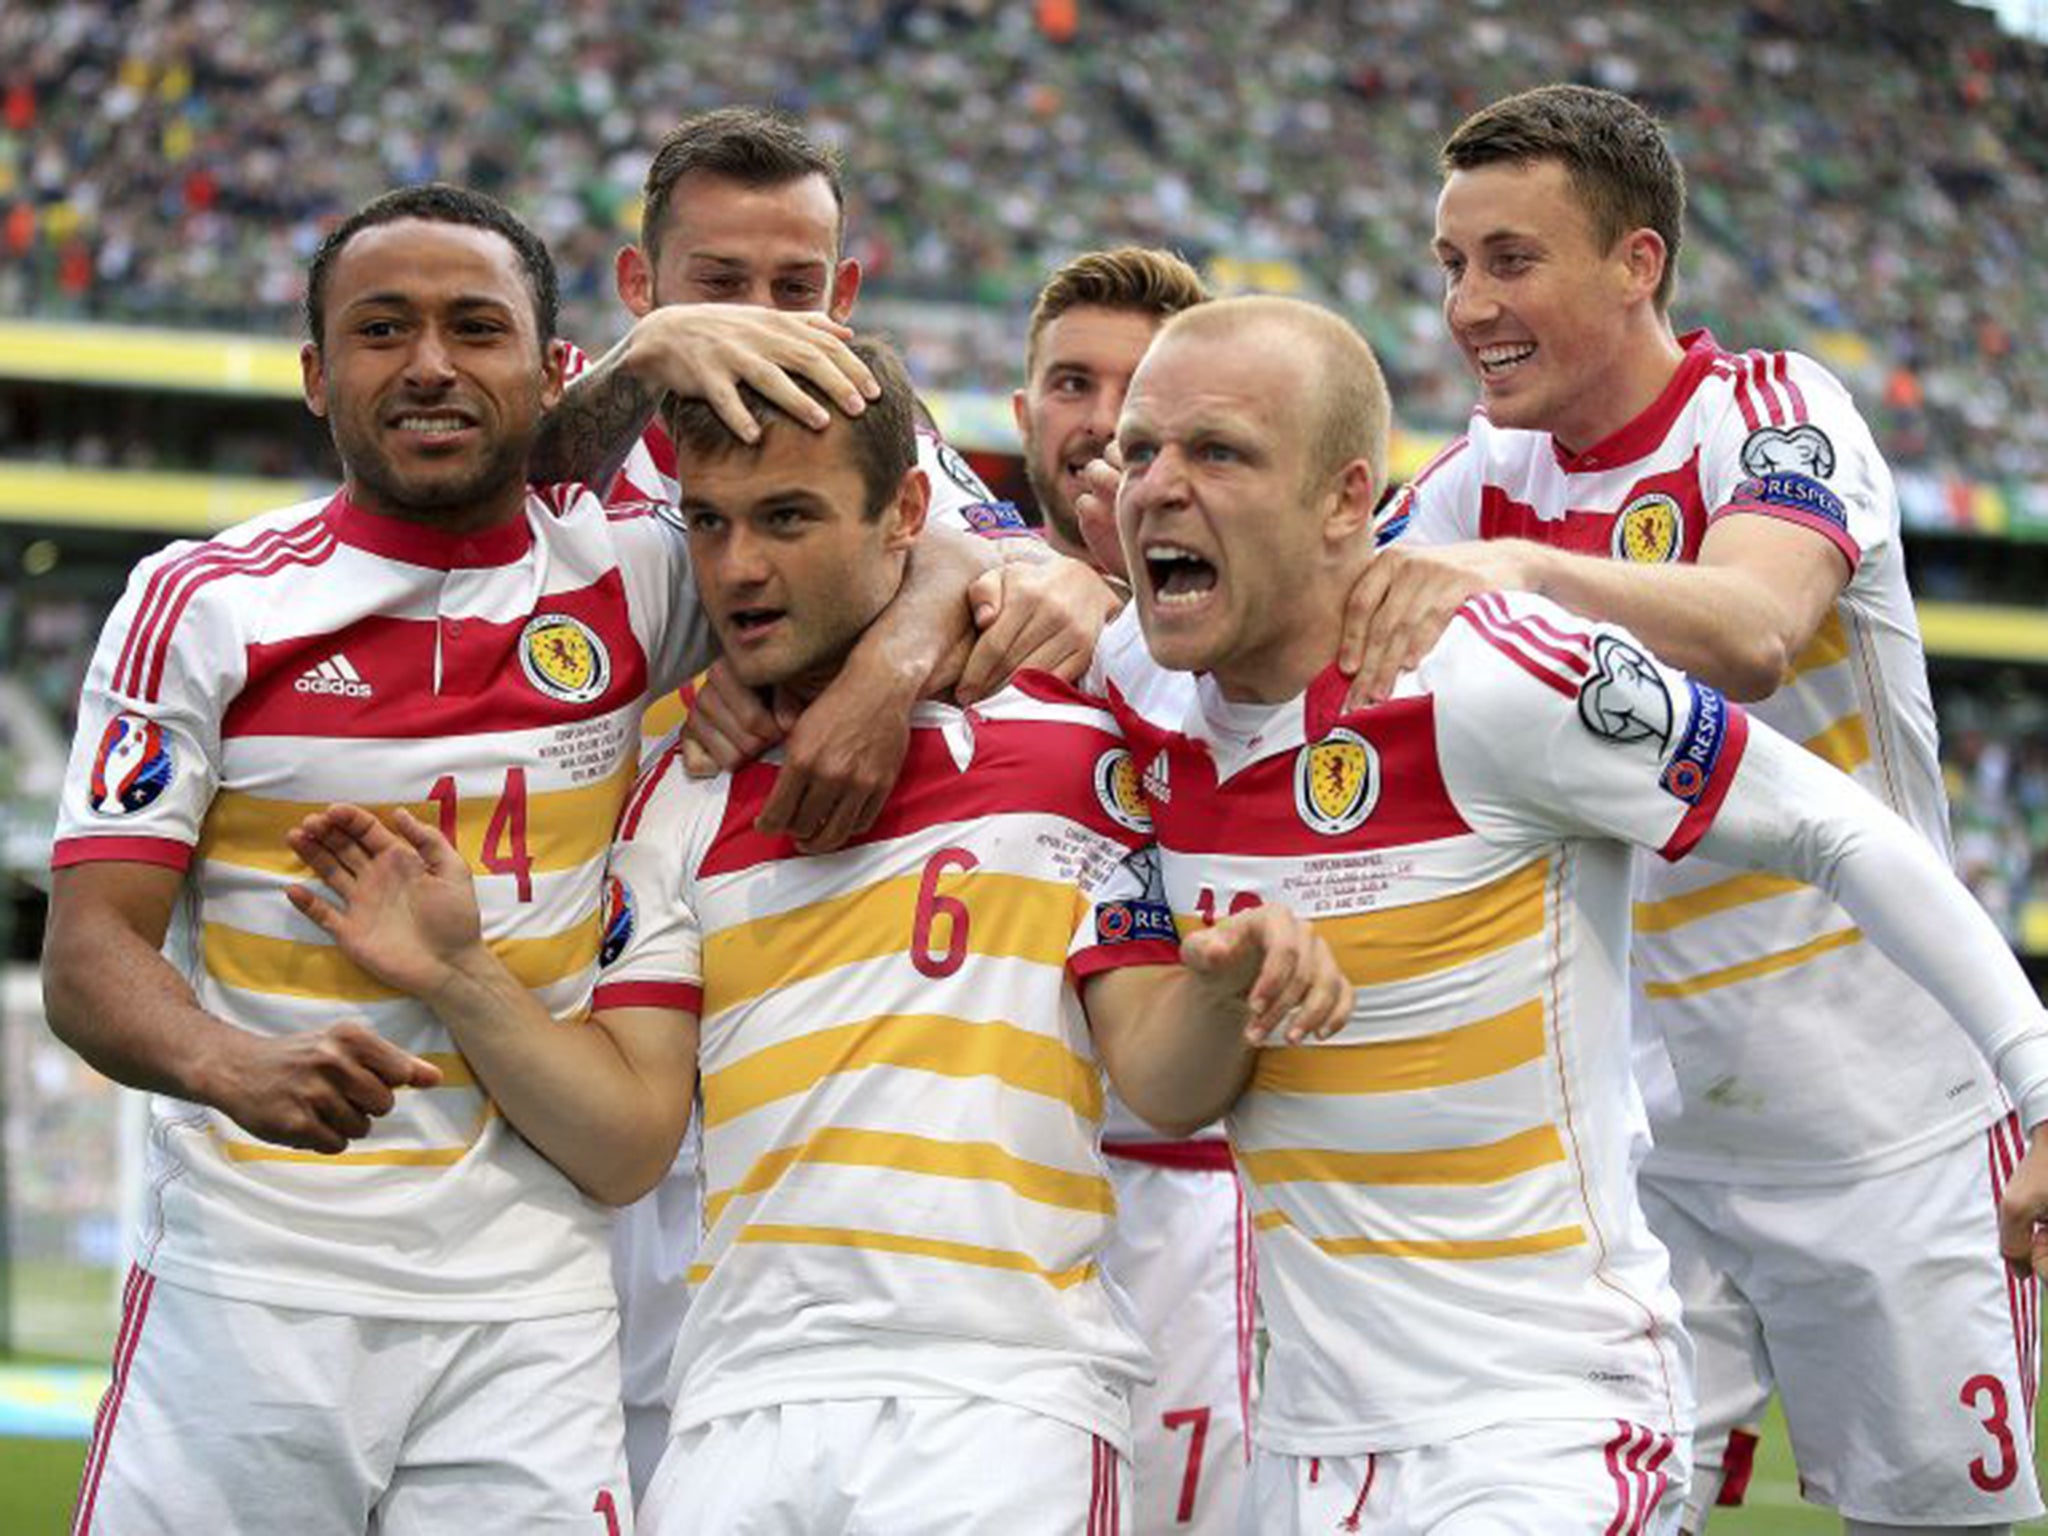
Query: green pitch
[39, 1477]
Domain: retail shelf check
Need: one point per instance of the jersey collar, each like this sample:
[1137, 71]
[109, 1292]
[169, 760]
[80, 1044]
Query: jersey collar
[1641, 436]
[420, 544]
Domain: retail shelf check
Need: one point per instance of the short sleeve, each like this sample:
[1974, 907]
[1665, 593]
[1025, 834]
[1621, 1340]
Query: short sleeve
[1125, 918]
[961, 499]
[651, 951]
[654, 562]
[1792, 446]
[1549, 726]
[145, 763]
[1440, 505]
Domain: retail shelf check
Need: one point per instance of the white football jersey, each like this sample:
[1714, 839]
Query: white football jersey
[1747, 978]
[492, 683]
[903, 1193]
[1444, 1192]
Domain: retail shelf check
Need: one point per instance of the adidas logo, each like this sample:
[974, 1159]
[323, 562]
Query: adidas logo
[334, 675]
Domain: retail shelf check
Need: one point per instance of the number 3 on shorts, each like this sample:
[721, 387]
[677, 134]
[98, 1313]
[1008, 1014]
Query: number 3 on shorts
[1992, 1480]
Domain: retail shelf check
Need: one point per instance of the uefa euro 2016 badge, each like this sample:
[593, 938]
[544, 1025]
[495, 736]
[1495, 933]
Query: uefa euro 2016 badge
[618, 920]
[563, 657]
[132, 767]
[1650, 530]
[1118, 788]
[1336, 782]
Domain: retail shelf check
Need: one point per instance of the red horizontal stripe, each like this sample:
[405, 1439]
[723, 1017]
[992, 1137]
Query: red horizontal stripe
[1833, 532]
[1204, 1154]
[483, 687]
[1255, 813]
[1020, 767]
[680, 996]
[168, 852]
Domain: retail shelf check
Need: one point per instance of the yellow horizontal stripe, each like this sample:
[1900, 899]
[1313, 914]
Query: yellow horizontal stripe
[255, 962]
[1845, 744]
[455, 1069]
[1748, 970]
[396, 1157]
[1010, 916]
[918, 1042]
[921, 1247]
[1830, 643]
[1740, 891]
[1490, 1163]
[1461, 1055]
[564, 827]
[1427, 937]
[922, 1154]
[663, 716]
[1435, 1248]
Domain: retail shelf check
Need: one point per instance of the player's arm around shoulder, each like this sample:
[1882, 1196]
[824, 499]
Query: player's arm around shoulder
[605, 1098]
[1551, 727]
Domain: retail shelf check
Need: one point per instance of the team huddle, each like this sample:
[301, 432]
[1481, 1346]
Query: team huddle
[1281, 1004]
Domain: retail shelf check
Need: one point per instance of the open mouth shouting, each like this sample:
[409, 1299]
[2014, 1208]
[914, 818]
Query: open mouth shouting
[1178, 577]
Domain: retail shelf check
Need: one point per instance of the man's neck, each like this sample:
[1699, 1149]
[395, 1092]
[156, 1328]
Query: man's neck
[1286, 667]
[1643, 371]
[492, 511]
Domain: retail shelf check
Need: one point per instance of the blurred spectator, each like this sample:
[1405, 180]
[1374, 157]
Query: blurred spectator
[1995, 758]
[1869, 181]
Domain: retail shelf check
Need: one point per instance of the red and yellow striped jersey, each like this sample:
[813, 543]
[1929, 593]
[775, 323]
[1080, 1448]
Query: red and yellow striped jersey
[901, 1101]
[491, 683]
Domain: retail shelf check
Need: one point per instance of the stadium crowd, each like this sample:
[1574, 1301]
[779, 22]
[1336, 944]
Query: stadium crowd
[1868, 181]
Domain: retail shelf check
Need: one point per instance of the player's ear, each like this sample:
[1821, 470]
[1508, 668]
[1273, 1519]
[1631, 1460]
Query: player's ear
[845, 289]
[1644, 257]
[313, 379]
[554, 363]
[1355, 497]
[633, 275]
[906, 511]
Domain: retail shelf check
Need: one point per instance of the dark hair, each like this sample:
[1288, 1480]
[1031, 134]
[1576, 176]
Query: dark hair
[1132, 278]
[438, 203]
[754, 148]
[884, 435]
[1611, 148]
